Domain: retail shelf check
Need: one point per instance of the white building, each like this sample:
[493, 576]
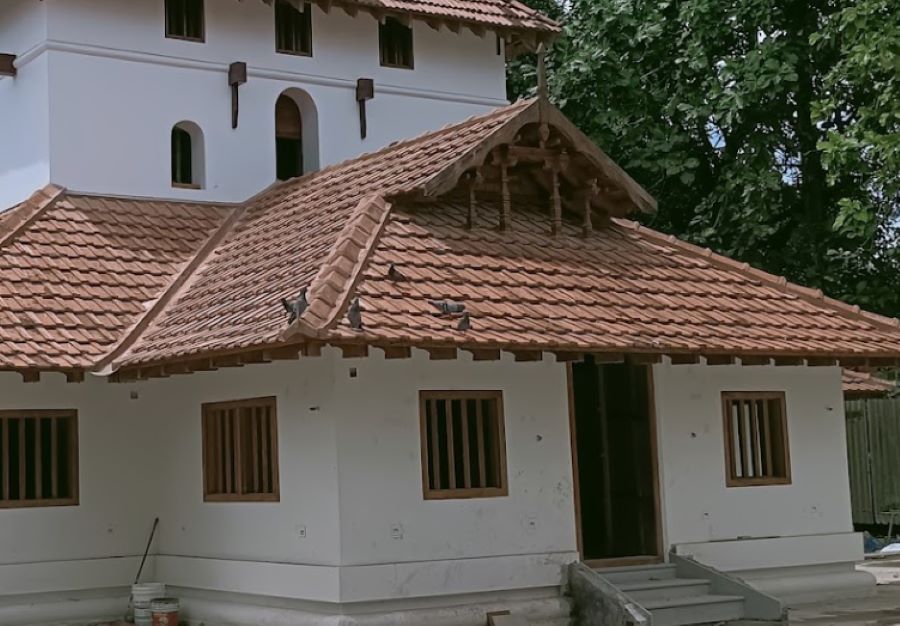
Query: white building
[491, 374]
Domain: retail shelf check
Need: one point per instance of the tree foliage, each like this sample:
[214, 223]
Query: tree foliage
[767, 129]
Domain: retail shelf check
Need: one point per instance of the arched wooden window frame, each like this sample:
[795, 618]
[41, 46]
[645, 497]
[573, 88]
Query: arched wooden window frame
[187, 158]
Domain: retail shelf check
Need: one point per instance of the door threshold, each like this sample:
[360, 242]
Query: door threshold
[624, 561]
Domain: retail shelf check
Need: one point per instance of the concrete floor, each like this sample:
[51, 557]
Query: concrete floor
[882, 609]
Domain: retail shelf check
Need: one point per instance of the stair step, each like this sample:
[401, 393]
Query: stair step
[639, 573]
[695, 610]
[650, 590]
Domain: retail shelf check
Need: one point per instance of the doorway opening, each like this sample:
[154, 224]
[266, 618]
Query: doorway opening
[616, 469]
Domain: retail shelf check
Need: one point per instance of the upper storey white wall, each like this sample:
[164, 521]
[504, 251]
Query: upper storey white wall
[116, 86]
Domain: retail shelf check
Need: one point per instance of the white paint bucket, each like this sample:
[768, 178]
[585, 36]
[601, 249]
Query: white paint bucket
[143, 594]
[165, 611]
[143, 616]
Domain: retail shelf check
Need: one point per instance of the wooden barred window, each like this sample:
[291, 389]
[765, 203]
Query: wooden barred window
[396, 43]
[293, 27]
[184, 20]
[38, 458]
[240, 451]
[756, 439]
[463, 444]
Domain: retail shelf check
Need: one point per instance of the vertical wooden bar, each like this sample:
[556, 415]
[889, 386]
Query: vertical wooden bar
[265, 432]
[767, 421]
[435, 445]
[38, 474]
[54, 459]
[451, 451]
[255, 420]
[4, 426]
[755, 451]
[467, 465]
[743, 415]
[228, 450]
[238, 452]
[274, 486]
[218, 417]
[22, 489]
[473, 211]
[482, 459]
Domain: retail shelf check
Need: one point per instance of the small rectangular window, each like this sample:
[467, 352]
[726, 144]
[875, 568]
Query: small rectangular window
[240, 451]
[756, 439]
[184, 19]
[396, 42]
[463, 444]
[293, 27]
[38, 458]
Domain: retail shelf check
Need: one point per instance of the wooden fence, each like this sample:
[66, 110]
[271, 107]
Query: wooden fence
[873, 448]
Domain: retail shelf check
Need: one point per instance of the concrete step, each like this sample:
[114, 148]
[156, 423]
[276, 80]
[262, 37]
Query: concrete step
[634, 574]
[695, 610]
[654, 590]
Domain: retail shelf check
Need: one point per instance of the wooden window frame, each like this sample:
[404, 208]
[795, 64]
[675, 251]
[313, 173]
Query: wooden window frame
[731, 478]
[307, 17]
[168, 31]
[463, 493]
[382, 26]
[209, 454]
[73, 500]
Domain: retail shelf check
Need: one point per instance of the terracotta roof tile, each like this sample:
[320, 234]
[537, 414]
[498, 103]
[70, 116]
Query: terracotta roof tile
[83, 271]
[499, 14]
[864, 385]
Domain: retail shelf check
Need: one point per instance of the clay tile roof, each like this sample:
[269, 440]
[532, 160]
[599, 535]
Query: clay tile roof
[501, 15]
[134, 284]
[77, 271]
[283, 241]
[504, 14]
[625, 289]
[864, 385]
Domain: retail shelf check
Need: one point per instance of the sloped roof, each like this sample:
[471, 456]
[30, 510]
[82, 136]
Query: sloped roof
[78, 271]
[865, 385]
[496, 14]
[624, 289]
[155, 283]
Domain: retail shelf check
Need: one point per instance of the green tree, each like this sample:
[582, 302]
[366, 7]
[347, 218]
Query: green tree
[767, 129]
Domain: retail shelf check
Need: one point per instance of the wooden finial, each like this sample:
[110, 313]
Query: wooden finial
[474, 179]
[587, 226]
[556, 198]
[543, 88]
[506, 209]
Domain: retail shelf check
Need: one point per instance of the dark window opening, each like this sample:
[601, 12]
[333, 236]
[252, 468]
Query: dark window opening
[182, 157]
[396, 42]
[293, 27]
[463, 444]
[38, 458]
[184, 19]
[288, 138]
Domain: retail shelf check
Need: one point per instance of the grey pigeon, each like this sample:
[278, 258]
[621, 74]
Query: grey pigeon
[465, 323]
[296, 308]
[448, 307]
[354, 315]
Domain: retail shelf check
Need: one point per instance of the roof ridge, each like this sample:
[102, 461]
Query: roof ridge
[334, 284]
[28, 212]
[815, 296]
[107, 365]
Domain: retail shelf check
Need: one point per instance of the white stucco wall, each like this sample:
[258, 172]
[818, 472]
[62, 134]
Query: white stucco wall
[350, 472]
[116, 86]
[24, 108]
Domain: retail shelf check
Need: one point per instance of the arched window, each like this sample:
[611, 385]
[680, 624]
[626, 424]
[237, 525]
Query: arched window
[187, 156]
[296, 135]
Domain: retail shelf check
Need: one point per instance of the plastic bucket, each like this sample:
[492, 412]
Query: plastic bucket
[165, 611]
[143, 616]
[142, 595]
